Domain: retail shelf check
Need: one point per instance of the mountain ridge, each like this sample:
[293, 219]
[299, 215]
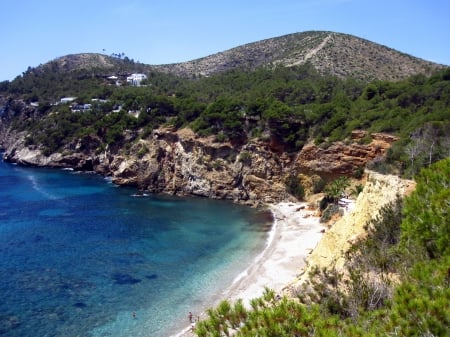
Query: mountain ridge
[330, 53]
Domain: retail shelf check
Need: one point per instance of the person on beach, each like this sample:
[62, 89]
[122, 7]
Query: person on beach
[190, 317]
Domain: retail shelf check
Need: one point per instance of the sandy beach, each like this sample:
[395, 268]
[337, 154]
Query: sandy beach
[295, 233]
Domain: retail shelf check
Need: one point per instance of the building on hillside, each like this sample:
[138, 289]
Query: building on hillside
[114, 79]
[136, 79]
[66, 100]
[81, 107]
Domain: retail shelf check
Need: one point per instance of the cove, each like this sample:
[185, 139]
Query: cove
[79, 255]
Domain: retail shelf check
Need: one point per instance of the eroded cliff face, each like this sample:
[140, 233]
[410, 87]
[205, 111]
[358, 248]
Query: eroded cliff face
[343, 158]
[179, 162]
[379, 191]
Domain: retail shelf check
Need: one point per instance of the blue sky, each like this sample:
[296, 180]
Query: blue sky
[167, 31]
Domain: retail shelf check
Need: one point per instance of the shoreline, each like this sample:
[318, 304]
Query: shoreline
[296, 232]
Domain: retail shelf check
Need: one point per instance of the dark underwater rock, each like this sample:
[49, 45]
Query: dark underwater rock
[123, 279]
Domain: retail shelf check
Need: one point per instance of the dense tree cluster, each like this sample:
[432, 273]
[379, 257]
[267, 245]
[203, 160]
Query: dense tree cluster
[290, 105]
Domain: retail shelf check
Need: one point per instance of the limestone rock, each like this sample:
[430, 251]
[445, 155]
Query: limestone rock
[340, 158]
[378, 192]
[179, 162]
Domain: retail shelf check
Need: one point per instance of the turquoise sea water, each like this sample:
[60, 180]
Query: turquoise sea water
[79, 255]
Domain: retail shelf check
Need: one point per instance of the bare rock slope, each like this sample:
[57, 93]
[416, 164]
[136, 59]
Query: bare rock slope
[330, 53]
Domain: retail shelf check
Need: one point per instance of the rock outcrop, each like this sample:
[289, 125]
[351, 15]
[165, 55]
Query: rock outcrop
[379, 191]
[340, 158]
[179, 162]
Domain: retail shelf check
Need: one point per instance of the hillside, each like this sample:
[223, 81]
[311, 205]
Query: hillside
[289, 95]
[96, 64]
[292, 113]
[330, 53]
[276, 120]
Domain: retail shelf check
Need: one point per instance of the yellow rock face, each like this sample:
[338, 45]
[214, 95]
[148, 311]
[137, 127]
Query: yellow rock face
[378, 191]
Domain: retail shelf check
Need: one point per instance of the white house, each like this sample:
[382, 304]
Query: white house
[66, 100]
[136, 79]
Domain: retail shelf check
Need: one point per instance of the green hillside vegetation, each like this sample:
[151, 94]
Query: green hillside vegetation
[408, 240]
[289, 104]
[398, 279]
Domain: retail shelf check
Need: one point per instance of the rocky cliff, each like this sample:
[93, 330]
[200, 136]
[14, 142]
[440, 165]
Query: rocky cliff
[179, 162]
[329, 253]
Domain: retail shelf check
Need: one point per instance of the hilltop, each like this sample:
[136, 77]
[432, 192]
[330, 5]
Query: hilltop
[330, 53]
[98, 64]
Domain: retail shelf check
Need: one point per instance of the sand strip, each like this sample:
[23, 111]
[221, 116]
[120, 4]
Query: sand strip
[296, 232]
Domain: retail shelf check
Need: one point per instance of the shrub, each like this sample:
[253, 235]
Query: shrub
[358, 173]
[380, 165]
[426, 225]
[331, 210]
[142, 151]
[245, 157]
[356, 190]
[295, 187]
[376, 252]
[318, 185]
[221, 137]
[336, 188]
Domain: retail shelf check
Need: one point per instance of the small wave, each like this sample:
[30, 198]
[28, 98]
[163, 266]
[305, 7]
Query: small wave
[183, 332]
[139, 195]
[37, 187]
[240, 276]
[81, 172]
[269, 241]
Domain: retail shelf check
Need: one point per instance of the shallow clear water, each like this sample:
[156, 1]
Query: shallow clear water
[79, 255]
